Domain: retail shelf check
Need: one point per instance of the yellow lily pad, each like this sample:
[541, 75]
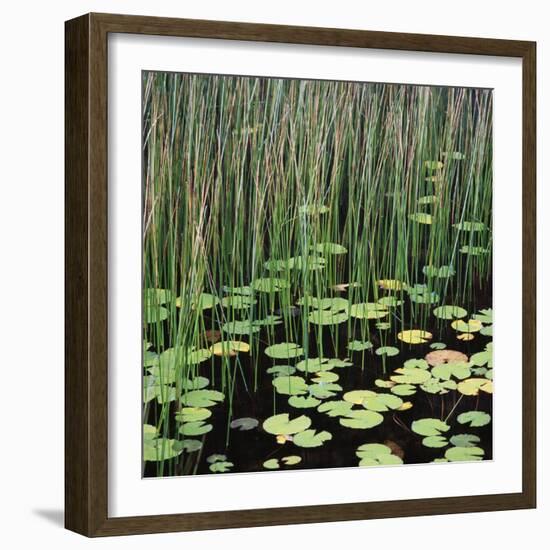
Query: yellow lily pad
[229, 348]
[414, 336]
[472, 325]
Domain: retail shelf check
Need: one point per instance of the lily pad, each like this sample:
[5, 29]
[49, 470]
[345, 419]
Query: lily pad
[284, 350]
[446, 370]
[324, 390]
[229, 348]
[427, 199]
[335, 408]
[414, 336]
[392, 284]
[473, 250]
[390, 351]
[429, 426]
[403, 390]
[472, 386]
[291, 460]
[244, 424]
[464, 454]
[281, 370]
[443, 272]
[475, 419]
[271, 464]
[470, 226]
[326, 317]
[193, 414]
[472, 325]
[280, 424]
[407, 375]
[301, 402]
[240, 327]
[389, 301]
[290, 385]
[270, 284]
[202, 398]
[435, 441]
[382, 402]
[221, 467]
[368, 311]
[311, 438]
[195, 428]
[156, 296]
[313, 209]
[362, 419]
[376, 454]
[155, 450]
[357, 345]
[238, 301]
[421, 217]
[433, 164]
[154, 314]
[330, 248]
[465, 440]
[357, 397]
[450, 312]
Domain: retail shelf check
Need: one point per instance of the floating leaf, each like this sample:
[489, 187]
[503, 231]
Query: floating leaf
[244, 424]
[465, 336]
[435, 441]
[470, 226]
[238, 301]
[241, 290]
[357, 345]
[443, 272]
[407, 375]
[281, 370]
[270, 284]
[382, 402]
[368, 311]
[389, 301]
[376, 454]
[391, 284]
[429, 427]
[475, 419]
[335, 408]
[202, 398]
[269, 321]
[193, 414]
[155, 450]
[188, 445]
[435, 386]
[421, 295]
[454, 155]
[414, 336]
[472, 386]
[390, 351]
[313, 209]
[271, 464]
[285, 350]
[358, 396]
[483, 357]
[427, 199]
[327, 317]
[438, 345]
[221, 467]
[442, 356]
[433, 164]
[280, 424]
[240, 327]
[153, 297]
[311, 438]
[465, 440]
[300, 402]
[195, 428]
[291, 460]
[473, 250]
[416, 364]
[330, 248]
[324, 391]
[450, 312]
[386, 384]
[229, 348]
[444, 371]
[362, 420]
[290, 385]
[154, 314]
[216, 458]
[325, 376]
[421, 217]
[382, 325]
[464, 454]
[472, 325]
[484, 315]
[403, 390]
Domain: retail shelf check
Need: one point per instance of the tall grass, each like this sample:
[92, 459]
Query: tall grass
[237, 168]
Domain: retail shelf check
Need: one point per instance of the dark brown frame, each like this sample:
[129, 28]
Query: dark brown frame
[86, 273]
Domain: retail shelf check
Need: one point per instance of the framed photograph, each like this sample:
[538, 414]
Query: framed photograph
[300, 275]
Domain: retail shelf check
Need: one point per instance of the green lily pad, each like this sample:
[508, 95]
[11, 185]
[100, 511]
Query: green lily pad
[429, 426]
[483, 358]
[389, 301]
[280, 424]
[484, 315]
[301, 402]
[444, 371]
[156, 296]
[420, 294]
[203, 301]
[244, 424]
[285, 350]
[403, 390]
[326, 317]
[427, 199]
[193, 414]
[470, 226]
[271, 464]
[216, 457]
[382, 325]
[358, 396]
[376, 454]
[436, 386]
[450, 312]
[407, 375]
[202, 398]
[188, 445]
[435, 441]
[291, 460]
[362, 419]
[269, 321]
[438, 345]
[324, 390]
[416, 364]
[270, 284]
[330, 248]
[154, 314]
[238, 301]
[382, 402]
[221, 467]
[433, 164]
[196, 383]
[240, 327]
[443, 272]
[240, 290]
[421, 217]
[473, 250]
[290, 385]
[155, 450]
[325, 376]
[464, 454]
[390, 351]
[475, 419]
[281, 370]
[195, 428]
[368, 310]
[335, 408]
[311, 438]
[465, 440]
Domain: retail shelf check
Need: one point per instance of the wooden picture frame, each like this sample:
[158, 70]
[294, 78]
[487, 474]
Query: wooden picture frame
[86, 374]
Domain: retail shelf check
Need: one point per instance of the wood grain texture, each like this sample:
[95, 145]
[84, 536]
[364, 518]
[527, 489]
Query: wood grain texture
[86, 257]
